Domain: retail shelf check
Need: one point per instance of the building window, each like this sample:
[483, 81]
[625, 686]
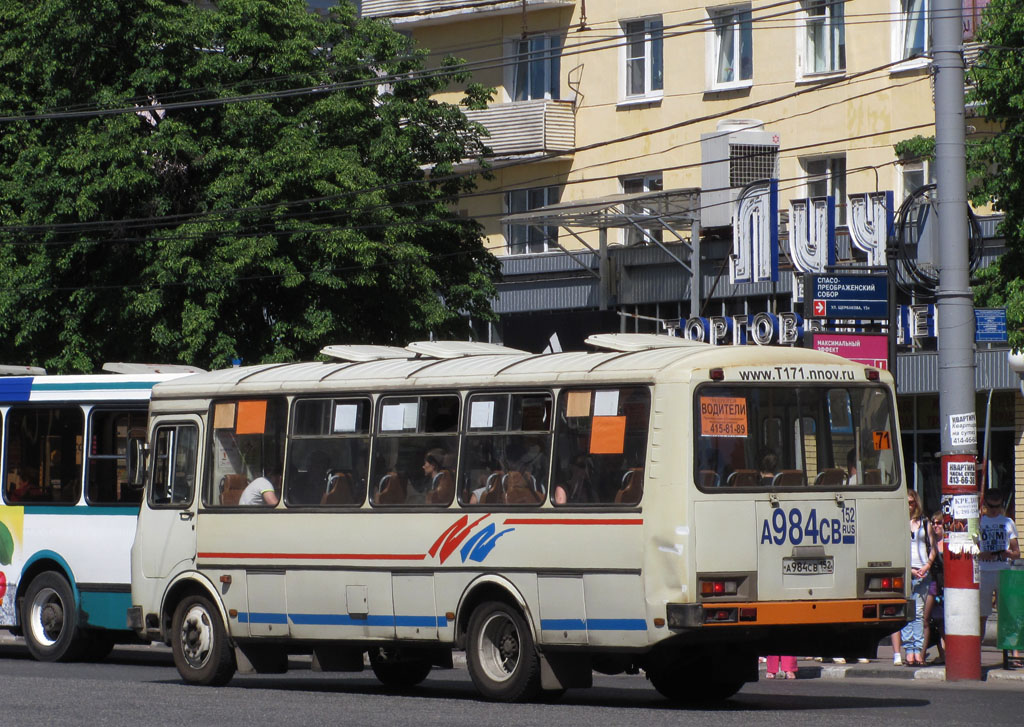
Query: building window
[644, 64]
[537, 68]
[825, 49]
[914, 175]
[636, 185]
[524, 239]
[733, 46]
[827, 178]
[914, 28]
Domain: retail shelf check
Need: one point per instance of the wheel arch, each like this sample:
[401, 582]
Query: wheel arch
[490, 587]
[184, 585]
[46, 561]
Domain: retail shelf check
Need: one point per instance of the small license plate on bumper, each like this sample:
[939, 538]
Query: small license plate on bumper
[808, 566]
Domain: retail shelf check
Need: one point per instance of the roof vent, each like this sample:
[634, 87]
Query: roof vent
[459, 349]
[22, 371]
[114, 367]
[359, 353]
[626, 342]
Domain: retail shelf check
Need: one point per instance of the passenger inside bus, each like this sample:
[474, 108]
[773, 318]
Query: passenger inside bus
[23, 485]
[440, 486]
[578, 487]
[769, 466]
[262, 491]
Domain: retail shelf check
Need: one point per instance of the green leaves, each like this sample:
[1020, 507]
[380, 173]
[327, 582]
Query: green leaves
[262, 229]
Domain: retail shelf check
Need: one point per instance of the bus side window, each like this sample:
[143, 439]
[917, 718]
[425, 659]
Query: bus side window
[601, 446]
[173, 465]
[44, 455]
[247, 441]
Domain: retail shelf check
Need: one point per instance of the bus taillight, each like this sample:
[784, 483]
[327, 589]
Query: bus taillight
[884, 583]
[718, 588]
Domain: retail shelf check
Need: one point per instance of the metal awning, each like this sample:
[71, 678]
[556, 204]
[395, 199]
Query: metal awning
[671, 210]
[670, 207]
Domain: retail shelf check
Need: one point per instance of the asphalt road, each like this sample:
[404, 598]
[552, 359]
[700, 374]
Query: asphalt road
[139, 686]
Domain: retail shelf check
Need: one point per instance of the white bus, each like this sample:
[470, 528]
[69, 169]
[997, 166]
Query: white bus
[551, 515]
[67, 513]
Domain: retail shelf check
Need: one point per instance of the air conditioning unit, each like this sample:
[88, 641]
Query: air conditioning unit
[738, 153]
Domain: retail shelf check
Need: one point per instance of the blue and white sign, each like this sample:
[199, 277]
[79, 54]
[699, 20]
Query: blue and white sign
[990, 325]
[849, 296]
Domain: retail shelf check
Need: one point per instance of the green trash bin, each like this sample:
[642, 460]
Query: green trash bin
[1010, 604]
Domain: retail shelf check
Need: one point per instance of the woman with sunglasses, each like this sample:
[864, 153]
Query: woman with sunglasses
[922, 556]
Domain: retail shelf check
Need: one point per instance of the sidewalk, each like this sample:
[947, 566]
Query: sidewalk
[883, 668]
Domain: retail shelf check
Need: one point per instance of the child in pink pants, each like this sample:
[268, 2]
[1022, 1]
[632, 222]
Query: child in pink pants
[784, 666]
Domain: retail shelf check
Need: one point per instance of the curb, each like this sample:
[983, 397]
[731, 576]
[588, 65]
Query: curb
[927, 673]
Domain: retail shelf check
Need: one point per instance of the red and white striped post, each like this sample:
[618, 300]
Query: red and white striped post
[962, 607]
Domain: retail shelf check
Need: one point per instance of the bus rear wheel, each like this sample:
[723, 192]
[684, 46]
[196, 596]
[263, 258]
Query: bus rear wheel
[686, 679]
[200, 643]
[49, 620]
[501, 655]
[397, 672]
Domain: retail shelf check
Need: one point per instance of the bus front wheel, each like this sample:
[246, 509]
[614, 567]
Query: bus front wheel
[200, 643]
[501, 655]
[49, 619]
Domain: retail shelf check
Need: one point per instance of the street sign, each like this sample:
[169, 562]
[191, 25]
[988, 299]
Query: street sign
[990, 325]
[849, 296]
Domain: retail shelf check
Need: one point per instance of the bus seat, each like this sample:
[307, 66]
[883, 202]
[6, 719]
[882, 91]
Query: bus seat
[339, 490]
[494, 493]
[872, 477]
[832, 477]
[743, 478]
[231, 487]
[789, 478]
[708, 478]
[520, 489]
[632, 487]
[443, 490]
[390, 490]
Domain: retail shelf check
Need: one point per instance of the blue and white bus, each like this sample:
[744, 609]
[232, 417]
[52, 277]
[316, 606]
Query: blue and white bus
[67, 514]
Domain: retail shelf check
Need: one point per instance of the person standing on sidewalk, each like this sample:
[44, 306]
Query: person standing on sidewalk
[781, 667]
[998, 548]
[922, 555]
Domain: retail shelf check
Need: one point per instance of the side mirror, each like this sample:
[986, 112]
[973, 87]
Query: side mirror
[136, 463]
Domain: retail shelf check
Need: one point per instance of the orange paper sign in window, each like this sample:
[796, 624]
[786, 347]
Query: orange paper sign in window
[608, 435]
[723, 416]
[252, 417]
[882, 440]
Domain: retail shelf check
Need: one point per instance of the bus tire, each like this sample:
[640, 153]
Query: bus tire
[98, 646]
[398, 673]
[684, 681]
[501, 655]
[200, 645]
[49, 619]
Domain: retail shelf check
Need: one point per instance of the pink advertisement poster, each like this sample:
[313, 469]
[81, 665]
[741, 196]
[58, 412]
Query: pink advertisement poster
[863, 348]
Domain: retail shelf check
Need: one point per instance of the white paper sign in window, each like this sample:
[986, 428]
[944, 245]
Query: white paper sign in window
[397, 417]
[481, 415]
[345, 417]
[606, 403]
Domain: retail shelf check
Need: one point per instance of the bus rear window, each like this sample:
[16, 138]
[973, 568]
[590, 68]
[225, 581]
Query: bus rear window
[774, 436]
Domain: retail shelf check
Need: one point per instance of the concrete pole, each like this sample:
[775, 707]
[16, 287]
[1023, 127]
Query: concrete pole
[956, 349]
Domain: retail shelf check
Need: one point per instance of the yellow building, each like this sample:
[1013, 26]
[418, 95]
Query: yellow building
[642, 121]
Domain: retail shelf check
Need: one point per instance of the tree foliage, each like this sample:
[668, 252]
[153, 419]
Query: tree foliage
[317, 211]
[998, 77]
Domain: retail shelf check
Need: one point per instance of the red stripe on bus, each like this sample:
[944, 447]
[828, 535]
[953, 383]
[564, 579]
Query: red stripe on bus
[567, 521]
[315, 556]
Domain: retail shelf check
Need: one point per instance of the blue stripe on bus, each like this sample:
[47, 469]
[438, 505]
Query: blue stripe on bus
[593, 624]
[79, 510]
[340, 619]
[15, 388]
[41, 386]
[106, 610]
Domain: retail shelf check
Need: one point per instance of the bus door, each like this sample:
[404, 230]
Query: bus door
[168, 516]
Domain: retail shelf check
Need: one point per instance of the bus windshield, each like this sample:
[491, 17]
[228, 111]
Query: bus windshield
[785, 436]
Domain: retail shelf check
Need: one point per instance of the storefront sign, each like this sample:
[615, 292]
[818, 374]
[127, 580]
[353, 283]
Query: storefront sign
[866, 349]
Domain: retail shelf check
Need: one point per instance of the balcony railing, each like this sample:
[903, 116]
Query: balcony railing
[429, 12]
[528, 127]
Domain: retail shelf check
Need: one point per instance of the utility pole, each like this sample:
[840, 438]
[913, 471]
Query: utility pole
[956, 350]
